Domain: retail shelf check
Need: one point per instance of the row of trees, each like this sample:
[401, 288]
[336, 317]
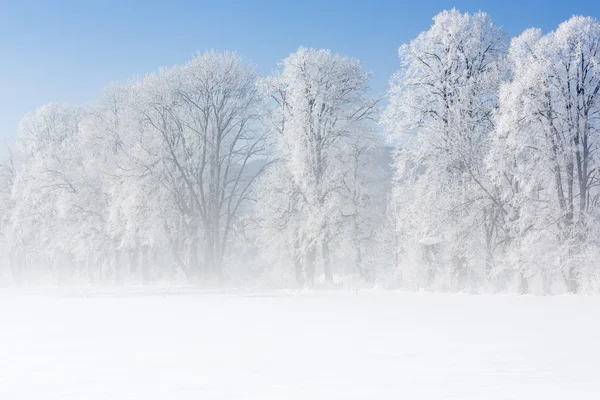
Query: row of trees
[153, 175]
[198, 172]
[207, 172]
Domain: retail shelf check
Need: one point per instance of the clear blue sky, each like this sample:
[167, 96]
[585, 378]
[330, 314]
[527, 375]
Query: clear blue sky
[67, 51]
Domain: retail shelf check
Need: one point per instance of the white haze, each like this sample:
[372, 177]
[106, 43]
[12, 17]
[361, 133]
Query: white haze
[204, 232]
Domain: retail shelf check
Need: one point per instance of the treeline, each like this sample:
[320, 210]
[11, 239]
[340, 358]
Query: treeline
[208, 173]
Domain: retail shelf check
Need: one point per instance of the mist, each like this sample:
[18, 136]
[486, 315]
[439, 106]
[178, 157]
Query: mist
[207, 231]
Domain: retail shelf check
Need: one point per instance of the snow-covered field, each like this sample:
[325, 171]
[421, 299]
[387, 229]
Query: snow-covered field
[331, 345]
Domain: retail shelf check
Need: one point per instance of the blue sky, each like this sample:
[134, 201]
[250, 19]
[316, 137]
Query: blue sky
[67, 51]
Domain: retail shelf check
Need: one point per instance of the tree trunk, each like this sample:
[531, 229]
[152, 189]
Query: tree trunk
[193, 266]
[145, 265]
[327, 260]
[15, 267]
[298, 268]
[523, 284]
[117, 267]
[311, 257]
[572, 281]
[133, 260]
[208, 268]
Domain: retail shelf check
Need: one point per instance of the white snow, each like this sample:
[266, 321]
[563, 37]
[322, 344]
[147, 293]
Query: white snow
[330, 345]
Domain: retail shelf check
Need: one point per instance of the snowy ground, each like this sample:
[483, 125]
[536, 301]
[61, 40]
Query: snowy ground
[298, 346]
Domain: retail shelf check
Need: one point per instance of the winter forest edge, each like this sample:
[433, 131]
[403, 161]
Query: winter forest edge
[478, 172]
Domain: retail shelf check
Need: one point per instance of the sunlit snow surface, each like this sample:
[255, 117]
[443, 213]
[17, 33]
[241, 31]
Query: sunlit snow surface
[333, 345]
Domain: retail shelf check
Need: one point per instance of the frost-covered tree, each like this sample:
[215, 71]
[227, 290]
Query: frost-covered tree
[545, 153]
[46, 188]
[132, 214]
[199, 134]
[322, 121]
[440, 113]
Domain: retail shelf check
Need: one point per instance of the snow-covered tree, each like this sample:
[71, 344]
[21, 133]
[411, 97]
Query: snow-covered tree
[322, 121]
[545, 151]
[46, 189]
[199, 134]
[440, 114]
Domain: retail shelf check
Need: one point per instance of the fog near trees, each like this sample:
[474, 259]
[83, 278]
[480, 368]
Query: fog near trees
[477, 172]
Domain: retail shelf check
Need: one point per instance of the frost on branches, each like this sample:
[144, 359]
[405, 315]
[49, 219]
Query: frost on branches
[498, 157]
[313, 201]
[545, 157]
[440, 111]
